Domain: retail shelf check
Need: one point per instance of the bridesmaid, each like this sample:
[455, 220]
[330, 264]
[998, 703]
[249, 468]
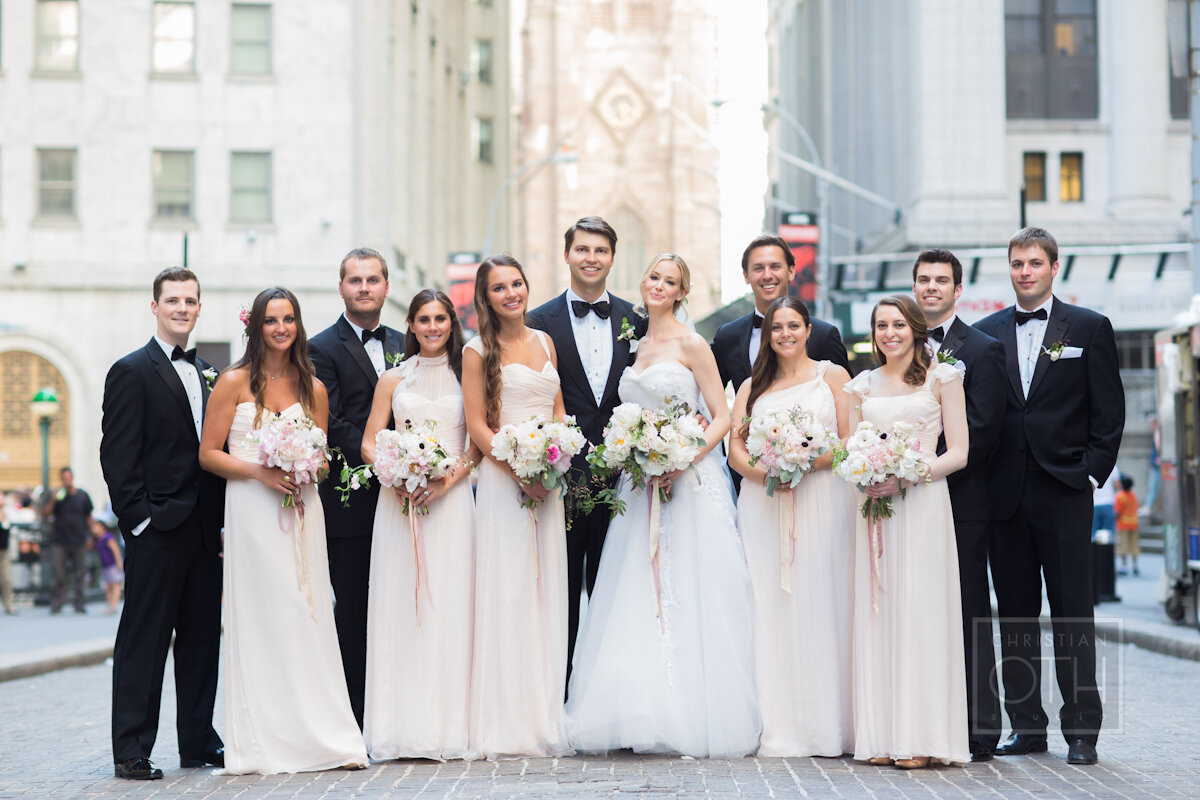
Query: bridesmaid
[421, 606]
[910, 698]
[800, 550]
[520, 663]
[286, 704]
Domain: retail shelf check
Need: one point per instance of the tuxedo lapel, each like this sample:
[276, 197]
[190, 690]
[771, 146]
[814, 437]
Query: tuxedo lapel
[166, 372]
[620, 348]
[205, 391]
[393, 346]
[954, 338]
[743, 350]
[358, 353]
[569, 363]
[1056, 331]
[1006, 333]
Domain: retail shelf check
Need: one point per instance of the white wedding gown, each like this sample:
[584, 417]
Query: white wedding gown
[683, 684]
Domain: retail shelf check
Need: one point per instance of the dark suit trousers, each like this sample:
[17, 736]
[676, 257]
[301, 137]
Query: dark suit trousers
[172, 582]
[1050, 534]
[349, 573]
[983, 696]
[585, 541]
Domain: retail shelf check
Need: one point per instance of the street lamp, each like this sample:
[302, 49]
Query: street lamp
[557, 157]
[44, 406]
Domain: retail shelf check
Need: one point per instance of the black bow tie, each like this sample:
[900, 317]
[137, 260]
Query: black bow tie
[186, 355]
[1025, 316]
[758, 321]
[938, 334]
[378, 333]
[602, 308]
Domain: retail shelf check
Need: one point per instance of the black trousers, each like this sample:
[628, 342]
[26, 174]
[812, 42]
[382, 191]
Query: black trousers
[1050, 535]
[983, 695]
[585, 541]
[64, 559]
[349, 574]
[172, 584]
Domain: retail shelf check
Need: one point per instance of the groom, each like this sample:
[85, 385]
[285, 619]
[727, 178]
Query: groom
[348, 357]
[585, 322]
[170, 513]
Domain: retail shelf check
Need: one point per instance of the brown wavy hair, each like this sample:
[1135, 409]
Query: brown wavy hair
[919, 366]
[489, 331]
[454, 344]
[256, 351]
[766, 365]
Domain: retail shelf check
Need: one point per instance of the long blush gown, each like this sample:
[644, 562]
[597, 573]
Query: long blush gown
[910, 697]
[520, 657]
[682, 682]
[286, 704]
[802, 633]
[421, 603]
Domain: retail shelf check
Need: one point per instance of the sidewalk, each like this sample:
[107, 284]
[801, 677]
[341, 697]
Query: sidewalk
[33, 642]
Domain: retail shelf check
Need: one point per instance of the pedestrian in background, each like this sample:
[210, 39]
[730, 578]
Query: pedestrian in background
[71, 508]
[112, 569]
[1126, 508]
[6, 590]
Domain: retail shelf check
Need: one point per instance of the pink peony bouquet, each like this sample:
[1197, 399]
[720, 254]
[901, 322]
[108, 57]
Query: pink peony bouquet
[296, 446]
[411, 458]
[786, 443]
[539, 451]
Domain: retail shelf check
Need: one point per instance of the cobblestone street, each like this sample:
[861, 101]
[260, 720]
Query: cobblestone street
[56, 735]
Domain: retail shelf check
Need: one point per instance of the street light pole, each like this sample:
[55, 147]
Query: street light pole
[44, 405]
[558, 157]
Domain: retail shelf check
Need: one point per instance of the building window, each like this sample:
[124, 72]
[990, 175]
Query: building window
[174, 37]
[250, 187]
[1051, 65]
[1179, 95]
[483, 139]
[173, 184]
[1035, 177]
[250, 28]
[58, 35]
[483, 61]
[56, 183]
[1070, 178]
[1135, 349]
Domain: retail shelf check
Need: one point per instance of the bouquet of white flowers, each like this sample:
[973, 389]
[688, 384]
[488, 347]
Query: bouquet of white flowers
[786, 443]
[539, 450]
[645, 443]
[411, 458]
[296, 446]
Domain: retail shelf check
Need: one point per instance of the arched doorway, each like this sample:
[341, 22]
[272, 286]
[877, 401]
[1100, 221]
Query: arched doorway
[22, 374]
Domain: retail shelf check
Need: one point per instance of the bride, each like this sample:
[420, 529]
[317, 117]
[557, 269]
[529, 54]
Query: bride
[682, 683]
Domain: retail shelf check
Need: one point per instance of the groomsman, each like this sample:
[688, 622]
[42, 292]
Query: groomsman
[349, 356]
[170, 513]
[584, 323]
[1065, 411]
[768, 266]
[937, 285]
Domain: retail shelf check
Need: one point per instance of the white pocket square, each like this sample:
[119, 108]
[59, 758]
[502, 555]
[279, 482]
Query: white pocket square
[1071, 352]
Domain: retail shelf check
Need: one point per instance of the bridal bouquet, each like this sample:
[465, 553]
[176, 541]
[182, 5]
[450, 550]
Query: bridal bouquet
[872, 456]
[645, 443]
[786, 443]
[411, 458]
[539, 451]
[296, 446]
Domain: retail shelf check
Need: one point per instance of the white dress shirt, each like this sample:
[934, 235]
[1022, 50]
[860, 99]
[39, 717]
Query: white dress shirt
[945, 326]
[1029, 343]
[593, 341]
[755, 339]
[374, 349]
[189, 375]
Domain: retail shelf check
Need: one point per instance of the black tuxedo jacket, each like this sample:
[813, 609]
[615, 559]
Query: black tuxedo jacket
[341, 363]
[149, 451]
[554, 317]
[984, 386]
[731, 347]
[1072, 421]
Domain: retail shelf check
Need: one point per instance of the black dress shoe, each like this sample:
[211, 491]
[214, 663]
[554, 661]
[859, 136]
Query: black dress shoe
[138, 769]
[1020, 744]
[981, 755]
[1081, 752]
[215, 758]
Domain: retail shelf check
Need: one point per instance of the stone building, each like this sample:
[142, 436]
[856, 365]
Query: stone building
[263, 140]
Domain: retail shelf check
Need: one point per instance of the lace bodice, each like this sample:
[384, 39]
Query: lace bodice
[243, 423]
[653, 386]
[524, 391]
[428, 390]
[920, 407]
[814, 396]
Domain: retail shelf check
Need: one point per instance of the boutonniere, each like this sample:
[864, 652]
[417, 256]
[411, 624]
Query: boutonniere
[628, 334]
[210, 377]
[394, 359]
[1055, 350]
[947, 357]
